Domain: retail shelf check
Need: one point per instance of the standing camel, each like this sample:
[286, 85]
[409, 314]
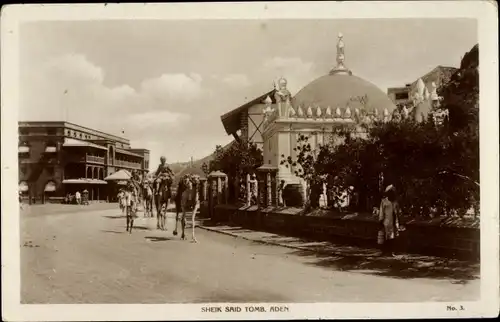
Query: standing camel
[162, 194]
[187, 197]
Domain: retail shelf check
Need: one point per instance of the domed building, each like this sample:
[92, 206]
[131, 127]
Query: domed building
[334, 101]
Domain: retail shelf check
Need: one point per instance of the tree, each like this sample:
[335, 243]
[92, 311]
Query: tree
[304, 167]
[311, 166]
[237, 159]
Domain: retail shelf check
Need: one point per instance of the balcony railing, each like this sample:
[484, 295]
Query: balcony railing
[127, 164]
[95, 159]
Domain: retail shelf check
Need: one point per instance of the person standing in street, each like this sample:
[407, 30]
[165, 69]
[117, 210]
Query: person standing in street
[78, 197]
[389, 213]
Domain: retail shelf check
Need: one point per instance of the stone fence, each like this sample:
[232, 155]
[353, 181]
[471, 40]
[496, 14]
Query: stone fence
[430, 237]
[423, 237]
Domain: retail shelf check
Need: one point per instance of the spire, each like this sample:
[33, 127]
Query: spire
[340, 68]
[434, 94]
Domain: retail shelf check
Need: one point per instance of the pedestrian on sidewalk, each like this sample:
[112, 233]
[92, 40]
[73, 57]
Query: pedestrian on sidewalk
[78, 197]
[389, 220]
[281, 188]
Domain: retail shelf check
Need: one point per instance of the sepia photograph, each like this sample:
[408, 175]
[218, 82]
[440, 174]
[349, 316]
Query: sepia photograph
[265, 164]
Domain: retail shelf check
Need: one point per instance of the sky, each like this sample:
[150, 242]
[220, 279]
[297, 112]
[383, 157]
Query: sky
[164, 84]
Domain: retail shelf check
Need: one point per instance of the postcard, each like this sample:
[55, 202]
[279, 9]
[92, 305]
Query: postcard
[250, 160]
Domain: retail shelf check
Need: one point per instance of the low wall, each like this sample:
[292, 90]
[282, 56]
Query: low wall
[424, 237]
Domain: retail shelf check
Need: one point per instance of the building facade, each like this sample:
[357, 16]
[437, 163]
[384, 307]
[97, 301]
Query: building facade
[404, 95]
[327, 105]
[56, 158]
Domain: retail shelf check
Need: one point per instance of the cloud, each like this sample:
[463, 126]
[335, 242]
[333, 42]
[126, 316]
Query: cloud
[173, 86]
[235, 80]
[157, 118]
[155, 115]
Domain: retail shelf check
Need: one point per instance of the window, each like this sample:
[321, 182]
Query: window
[23, 169]
[50, 170]
[402, 96]
[74, 134]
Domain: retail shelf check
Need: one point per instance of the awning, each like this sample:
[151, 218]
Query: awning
[23, 149]
[73, 142]
[23, 186]
[118, 150]
[119, 175]
[231, 120]
[50, 149]
[84, 181]
[50, 186]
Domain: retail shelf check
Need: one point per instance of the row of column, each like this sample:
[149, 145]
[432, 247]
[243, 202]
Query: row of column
[95, 172]
[261, 190]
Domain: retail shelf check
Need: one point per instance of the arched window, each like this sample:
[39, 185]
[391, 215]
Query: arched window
[23, 169]
[95, 174]
[89, 173]
[111, 155]
[50, 170]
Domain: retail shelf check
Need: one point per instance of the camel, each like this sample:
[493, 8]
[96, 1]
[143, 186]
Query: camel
[162, 195]
[187, 197]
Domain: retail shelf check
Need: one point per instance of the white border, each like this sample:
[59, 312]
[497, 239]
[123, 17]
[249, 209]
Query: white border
[485, 12]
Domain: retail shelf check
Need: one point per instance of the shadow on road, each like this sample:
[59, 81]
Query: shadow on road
[112, 231]
[403, 266]
[157, 239]
[141, 228]
[115, 217]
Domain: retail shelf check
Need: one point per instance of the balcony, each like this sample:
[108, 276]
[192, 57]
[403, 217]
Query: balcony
[127, 164]
[94, 159]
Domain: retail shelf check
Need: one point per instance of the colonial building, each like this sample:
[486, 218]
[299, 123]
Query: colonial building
[56, 158]
[404, 95]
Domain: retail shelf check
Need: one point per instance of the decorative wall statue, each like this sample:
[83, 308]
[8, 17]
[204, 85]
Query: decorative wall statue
[283, 97]
[268, 111]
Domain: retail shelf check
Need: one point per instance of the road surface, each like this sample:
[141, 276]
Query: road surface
[81, 256]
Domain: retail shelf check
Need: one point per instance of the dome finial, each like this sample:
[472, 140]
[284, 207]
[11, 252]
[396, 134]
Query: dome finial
[340, 68]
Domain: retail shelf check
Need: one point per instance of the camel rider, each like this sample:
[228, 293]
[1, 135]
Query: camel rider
[163, 171]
